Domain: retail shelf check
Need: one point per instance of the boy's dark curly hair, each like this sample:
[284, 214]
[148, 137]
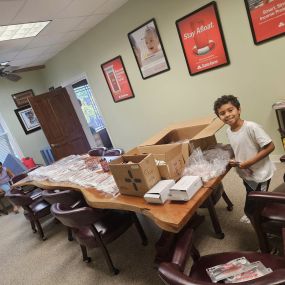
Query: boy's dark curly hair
[225, 99]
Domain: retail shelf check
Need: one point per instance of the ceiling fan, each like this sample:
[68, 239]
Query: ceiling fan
[10, 72]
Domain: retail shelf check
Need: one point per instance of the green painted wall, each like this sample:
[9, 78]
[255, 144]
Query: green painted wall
[29, 144]
[255, 74]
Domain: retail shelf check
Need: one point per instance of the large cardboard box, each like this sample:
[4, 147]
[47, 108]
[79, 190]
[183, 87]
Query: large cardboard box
[199, 133]
[135, 174]
[170, 154]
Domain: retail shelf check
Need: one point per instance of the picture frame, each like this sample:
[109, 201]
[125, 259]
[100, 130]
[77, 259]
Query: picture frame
[28, 119]
[266, 19]
[202, 39]
[21, 98]
[117, 79]
[148, 49]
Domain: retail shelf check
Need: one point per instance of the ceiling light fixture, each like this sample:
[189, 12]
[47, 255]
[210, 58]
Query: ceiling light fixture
[20, 31]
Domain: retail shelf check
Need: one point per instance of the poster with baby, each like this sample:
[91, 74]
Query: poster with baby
[148, 49]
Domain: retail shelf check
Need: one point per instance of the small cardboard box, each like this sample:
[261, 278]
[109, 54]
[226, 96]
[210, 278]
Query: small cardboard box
[134, 174]
[158, 194]
[185, 188]
[170, 154]
[200, 133]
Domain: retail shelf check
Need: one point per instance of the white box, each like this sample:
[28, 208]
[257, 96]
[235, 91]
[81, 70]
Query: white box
[158, 194]
[185, 188]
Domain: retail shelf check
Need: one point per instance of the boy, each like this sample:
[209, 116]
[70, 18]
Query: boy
[251, 146]
[5, 175]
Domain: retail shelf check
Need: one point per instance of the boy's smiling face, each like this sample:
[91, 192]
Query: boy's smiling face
[229, 114]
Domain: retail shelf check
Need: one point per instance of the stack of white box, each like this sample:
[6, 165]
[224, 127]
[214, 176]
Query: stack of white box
[185, 188]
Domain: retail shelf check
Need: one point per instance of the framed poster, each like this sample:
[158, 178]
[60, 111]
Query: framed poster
[202, 39]
[28, 119]
[148, 49]
[117, 79]
[21, 98]
[266, 18]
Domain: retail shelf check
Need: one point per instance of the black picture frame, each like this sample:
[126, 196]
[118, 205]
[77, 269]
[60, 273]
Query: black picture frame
[117, 79]
[264, 19]
[27, 119]
[148, 49]
[202, 39]
[21, 98]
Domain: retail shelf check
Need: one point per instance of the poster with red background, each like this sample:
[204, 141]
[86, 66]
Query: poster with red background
[267, 19]
[117, 79]
[202, 39]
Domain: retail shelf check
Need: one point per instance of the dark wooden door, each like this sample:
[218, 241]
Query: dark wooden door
[60, 123]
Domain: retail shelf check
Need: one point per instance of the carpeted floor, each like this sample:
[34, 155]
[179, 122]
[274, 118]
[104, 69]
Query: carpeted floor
[25, 259]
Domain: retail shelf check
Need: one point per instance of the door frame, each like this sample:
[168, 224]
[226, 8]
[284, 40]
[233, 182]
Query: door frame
[68, 85]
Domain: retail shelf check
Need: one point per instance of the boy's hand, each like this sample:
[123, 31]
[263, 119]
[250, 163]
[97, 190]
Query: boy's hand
[234, 163]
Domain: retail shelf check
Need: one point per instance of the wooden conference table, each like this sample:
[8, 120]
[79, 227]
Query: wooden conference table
[171, 216]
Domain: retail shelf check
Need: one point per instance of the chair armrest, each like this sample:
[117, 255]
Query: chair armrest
[170, 274]
[267, 197]
[182, 249]
[283, 236]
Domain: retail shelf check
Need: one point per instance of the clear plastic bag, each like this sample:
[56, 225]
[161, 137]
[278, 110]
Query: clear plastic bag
[208, 164]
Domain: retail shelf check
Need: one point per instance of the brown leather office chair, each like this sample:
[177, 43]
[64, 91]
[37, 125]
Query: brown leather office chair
[67, 198]
[30, 190]
[114, 152]
[172, 273]
[210, 203]
[268, 214]
[95, 228]
[97, 151]
[34, 209]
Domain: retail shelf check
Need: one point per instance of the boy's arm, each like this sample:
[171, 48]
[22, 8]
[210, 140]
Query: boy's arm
[266, 150]
[10, 173]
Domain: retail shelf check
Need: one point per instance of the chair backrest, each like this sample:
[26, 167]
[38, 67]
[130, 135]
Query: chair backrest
[114, 152]
[19, 199]
[172, 273]
[76, 218]
[97, 151]
[64, 197]
[14, 164]
[18, 177]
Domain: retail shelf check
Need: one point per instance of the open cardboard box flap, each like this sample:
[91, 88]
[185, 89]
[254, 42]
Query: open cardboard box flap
[199, 132]
[171, 154]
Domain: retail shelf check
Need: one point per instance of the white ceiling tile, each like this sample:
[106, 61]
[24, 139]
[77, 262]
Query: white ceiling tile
[40, 10]
[91, 21]
[14, 45]
[7, 56]
[46, 40]
[110, 6]
[8, 10]
[62, 25]
[20, 62]
[81, 8]
[70, 20]
[30, 52]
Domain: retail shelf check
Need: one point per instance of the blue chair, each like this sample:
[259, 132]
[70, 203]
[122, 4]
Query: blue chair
[15, 164]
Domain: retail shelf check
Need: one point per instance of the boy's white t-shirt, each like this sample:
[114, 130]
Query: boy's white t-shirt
[246, 143]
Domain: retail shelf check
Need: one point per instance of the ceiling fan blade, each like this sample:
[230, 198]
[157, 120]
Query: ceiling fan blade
[30, 68]
[12, 77]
